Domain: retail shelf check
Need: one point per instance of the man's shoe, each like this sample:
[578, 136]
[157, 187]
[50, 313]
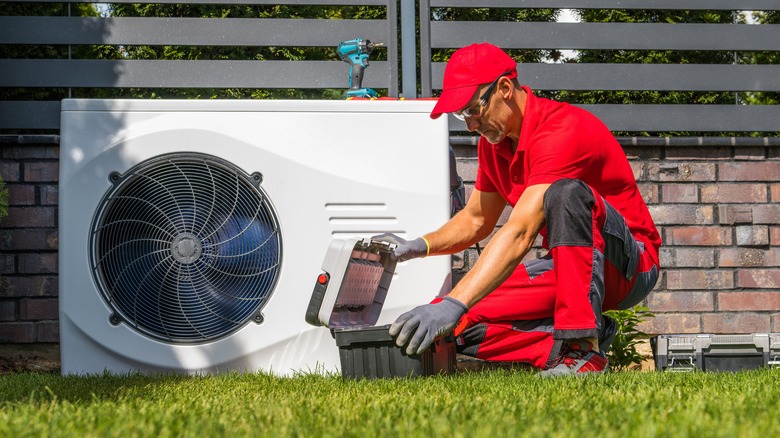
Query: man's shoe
[577, 359]
[607, 335]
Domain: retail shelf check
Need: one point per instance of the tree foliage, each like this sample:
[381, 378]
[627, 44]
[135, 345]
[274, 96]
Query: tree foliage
[327, 51]
[652, 57]
[169, 52]
[669, 17]
[764, 57]
[488, 15]
[25, 51]
[254, 53]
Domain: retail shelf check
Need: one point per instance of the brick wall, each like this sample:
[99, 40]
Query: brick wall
[29, 240]
[717, 208]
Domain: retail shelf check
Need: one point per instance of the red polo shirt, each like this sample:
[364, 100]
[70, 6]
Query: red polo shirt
[557, 141]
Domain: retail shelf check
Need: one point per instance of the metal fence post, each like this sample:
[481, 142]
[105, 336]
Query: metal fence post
[408, 49]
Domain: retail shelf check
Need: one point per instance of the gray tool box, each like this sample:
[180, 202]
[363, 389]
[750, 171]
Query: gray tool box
[348, 297]
[711, 352]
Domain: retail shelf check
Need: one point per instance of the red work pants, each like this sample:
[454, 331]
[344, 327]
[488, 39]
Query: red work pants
[594, 264]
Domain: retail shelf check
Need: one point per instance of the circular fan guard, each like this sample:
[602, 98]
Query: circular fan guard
[185, 248]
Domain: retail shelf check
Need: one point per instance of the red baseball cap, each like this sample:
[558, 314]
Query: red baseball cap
[468, 68]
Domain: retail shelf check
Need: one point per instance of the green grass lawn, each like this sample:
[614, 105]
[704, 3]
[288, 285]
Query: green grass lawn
[490, 403]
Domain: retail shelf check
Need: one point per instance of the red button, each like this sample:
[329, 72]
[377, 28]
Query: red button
[514, 178]
[322, 279]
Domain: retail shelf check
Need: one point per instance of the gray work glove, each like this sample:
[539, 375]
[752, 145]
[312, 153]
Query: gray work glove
[426, 323]
[404, 249]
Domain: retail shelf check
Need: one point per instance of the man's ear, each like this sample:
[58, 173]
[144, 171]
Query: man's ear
[506, 88]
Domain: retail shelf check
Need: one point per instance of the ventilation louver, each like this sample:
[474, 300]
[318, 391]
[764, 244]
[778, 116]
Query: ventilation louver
[185, 248]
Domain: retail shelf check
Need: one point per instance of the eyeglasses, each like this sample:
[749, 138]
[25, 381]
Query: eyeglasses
[475, 111]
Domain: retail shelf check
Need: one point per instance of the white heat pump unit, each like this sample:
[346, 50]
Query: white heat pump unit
[192, 232]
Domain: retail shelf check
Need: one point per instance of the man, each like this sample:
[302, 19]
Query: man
[566, 177]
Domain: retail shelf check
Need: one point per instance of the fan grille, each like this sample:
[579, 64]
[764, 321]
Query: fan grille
[185, 248]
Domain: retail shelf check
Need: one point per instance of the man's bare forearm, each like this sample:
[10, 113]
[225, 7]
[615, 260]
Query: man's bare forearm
[461, 232]
[505, 250]
[496, 263]
[472, 224]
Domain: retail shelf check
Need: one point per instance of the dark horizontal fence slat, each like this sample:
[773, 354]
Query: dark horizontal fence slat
[691, 5]
[187, 74]
[633, 36]
[705, 118]
[29, 115]
[666, 118]
[34, 139]
[332, 74]
[643, 77]
[91, 73]
[231, 2]
[188, 31]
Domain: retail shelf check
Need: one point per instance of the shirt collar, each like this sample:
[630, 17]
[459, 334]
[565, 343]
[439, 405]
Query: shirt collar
[530, 119]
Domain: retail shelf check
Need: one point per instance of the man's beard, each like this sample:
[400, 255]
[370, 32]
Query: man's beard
[493, 136]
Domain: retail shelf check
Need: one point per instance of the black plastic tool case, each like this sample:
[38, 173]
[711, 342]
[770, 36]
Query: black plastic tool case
[370, 352]
[351, 310]
[715, 352]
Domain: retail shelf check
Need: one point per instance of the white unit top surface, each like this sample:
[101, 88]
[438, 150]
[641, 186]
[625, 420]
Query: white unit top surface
[235, 105]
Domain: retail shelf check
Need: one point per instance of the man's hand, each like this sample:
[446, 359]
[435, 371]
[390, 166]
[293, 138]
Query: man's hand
[404, 249]
[425, 323]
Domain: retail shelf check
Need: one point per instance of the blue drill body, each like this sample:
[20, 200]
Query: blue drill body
[356, 52]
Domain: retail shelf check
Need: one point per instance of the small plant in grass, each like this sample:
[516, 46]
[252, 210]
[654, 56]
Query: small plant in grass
[623, 354]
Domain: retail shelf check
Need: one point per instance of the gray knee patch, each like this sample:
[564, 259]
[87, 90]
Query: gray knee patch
[568, 213]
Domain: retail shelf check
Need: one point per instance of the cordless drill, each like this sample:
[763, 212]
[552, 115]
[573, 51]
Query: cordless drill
[356, 52]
